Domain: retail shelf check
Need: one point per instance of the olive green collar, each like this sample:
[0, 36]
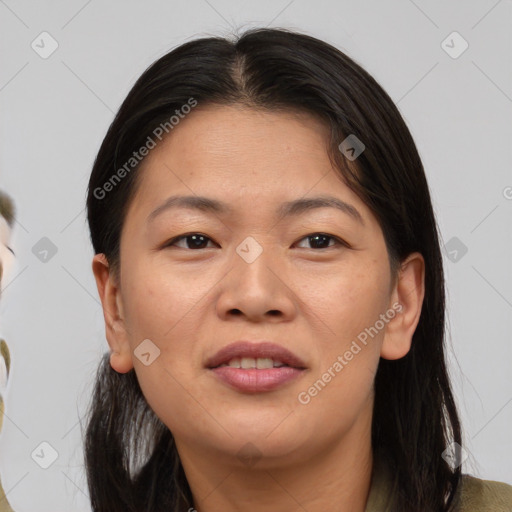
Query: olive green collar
[382, 488]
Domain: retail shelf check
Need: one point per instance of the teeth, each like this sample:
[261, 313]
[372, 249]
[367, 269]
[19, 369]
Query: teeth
[248, 362]
[234, 363]
[261, 363]
[264, 362]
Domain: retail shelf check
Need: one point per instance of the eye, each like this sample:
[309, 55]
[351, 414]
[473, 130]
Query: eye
[192, 241]
[319, 240]
[200, 241]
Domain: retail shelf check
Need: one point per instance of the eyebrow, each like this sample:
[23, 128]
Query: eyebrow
[287, 209]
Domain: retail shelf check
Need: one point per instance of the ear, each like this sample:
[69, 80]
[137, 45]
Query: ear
[115, 328]
[407, 295]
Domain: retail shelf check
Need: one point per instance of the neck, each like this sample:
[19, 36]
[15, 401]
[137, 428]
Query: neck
[335, 479]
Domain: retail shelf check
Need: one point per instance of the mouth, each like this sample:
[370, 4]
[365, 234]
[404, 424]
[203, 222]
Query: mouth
[247, 363]
[254, 367]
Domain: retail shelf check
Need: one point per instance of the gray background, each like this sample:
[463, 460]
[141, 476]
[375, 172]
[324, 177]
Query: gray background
[55, 112]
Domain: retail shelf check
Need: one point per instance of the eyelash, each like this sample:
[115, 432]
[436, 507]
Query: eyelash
[338, 240]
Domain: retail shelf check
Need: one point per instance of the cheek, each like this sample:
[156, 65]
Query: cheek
[347, 300]
[167, 309]
[6, 262]
[343, 378]
[166, 391]
[157, 300]
[349, 304]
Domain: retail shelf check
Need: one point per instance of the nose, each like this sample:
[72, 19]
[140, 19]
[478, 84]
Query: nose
[257, 290]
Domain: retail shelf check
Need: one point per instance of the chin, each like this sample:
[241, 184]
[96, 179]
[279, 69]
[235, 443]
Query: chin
[274, 442]
[258, 453]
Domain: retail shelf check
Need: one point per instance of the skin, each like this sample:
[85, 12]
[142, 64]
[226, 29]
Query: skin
[6, 255]
[314, 301]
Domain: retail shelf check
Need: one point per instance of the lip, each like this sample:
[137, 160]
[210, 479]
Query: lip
[262, 349]
[254, 380]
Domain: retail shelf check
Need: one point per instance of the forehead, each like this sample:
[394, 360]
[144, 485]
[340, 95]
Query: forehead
[244, 148]
[224, 134]
[251, 158]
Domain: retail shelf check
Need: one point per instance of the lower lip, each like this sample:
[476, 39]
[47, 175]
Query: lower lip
[253, 380]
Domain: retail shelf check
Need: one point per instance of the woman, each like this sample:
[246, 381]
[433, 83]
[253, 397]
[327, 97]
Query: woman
[7, 211]
[269, 267]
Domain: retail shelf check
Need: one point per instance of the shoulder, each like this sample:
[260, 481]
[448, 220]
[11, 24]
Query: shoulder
[484, 495]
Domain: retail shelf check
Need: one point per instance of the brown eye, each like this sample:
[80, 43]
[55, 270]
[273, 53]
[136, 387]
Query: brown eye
[322, 240]
[192, 241]
[199, 241]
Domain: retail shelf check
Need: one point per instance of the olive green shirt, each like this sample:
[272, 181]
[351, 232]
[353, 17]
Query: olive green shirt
[473, 494]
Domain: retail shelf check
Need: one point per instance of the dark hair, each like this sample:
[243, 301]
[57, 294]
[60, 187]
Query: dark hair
[131, 460]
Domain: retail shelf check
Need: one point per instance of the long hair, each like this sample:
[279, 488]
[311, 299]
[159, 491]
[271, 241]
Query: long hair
[131, 460]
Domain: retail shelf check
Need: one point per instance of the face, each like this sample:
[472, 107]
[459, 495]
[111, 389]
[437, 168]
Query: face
[6, 261]
[6, 254]
[311, 279]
